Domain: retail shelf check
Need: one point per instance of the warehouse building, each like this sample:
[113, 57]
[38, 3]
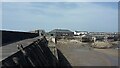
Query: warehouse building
[61, 33]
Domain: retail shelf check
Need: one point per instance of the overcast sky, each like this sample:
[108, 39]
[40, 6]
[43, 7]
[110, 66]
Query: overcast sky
[83, 16]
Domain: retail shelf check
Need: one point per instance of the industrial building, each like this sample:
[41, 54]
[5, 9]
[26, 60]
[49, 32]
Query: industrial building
[80, 33]
[61, 32]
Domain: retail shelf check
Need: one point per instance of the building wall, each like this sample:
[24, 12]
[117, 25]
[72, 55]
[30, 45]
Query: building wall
[65, 33]
[80, 33]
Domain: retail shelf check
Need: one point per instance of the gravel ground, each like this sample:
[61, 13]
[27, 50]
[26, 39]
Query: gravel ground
[81, 54]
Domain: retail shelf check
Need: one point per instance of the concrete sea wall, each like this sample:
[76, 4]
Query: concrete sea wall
[35, 54]
[13, 36]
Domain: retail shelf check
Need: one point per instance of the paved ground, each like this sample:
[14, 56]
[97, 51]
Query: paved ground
[82, 55]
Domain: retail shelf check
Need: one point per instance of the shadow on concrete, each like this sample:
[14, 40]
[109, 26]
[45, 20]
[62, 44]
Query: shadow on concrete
[36, 54]
[52, 60]
[63, 62]
[14, 36]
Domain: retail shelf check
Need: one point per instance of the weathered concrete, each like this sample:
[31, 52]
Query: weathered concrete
[10, 49]
[35, 54]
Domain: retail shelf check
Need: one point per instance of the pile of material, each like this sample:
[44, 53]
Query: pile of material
[75, 41]
[102, 45]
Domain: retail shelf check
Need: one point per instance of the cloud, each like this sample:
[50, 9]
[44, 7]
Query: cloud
[48, 15]
[60, 0]
[0, 15]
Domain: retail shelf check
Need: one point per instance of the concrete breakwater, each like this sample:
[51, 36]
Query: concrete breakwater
[36, 54]
[13, 36]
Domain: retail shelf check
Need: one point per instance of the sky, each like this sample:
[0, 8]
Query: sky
[60, 0]
[82, 16]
